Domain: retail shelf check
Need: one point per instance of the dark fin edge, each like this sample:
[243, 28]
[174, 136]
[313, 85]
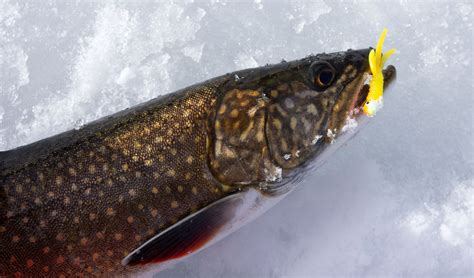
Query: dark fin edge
[188, 235]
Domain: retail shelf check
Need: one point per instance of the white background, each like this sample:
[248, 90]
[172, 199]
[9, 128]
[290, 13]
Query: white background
[398, 200]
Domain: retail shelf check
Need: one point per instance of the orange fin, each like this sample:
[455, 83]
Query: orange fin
[195, 231]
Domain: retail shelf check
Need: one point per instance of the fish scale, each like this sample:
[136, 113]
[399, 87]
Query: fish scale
[159, 181]
[110, 190]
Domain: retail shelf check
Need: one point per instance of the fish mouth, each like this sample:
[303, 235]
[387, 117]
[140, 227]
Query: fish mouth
[355, 110]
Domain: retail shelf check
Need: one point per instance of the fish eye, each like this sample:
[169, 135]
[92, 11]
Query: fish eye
[321, 75]
[325, 77]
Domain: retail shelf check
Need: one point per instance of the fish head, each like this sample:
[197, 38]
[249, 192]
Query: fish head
[277, 120]
[319, 107]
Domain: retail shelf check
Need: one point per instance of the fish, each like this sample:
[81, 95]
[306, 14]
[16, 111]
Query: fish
[154, 183]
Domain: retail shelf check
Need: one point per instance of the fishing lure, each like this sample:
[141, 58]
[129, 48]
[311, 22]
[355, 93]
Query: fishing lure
[377, 60]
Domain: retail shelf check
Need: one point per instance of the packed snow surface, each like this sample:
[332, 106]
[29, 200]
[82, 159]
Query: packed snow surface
[397, 200]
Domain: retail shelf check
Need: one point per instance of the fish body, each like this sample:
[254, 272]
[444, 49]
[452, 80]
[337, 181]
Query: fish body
[163, 179]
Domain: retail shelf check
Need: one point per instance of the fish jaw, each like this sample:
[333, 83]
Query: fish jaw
[370, 108]
[340, 131]
[357, 116]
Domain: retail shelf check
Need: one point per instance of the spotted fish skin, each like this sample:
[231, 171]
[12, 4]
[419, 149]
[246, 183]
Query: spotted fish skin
[83, 202]
[95, 194]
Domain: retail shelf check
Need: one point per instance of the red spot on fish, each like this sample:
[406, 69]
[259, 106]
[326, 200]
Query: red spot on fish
[60, 260]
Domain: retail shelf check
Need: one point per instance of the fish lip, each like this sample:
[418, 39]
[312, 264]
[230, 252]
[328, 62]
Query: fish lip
[359, 97]
[389, 74]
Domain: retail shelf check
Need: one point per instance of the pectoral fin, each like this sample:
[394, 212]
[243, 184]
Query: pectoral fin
[199, 229]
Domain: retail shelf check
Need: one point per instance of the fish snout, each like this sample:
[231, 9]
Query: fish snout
[389, 75]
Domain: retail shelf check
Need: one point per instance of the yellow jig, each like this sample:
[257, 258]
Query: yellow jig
[377, 59]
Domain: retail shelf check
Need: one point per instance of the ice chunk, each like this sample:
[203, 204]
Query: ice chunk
[125, 75]
[305, 13]
[194, 52]
[244, 60]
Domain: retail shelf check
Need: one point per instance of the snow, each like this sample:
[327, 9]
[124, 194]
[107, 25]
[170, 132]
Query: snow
[274, 175]
[349, 126]
[243, 61]
[458, 215]
[452, 220]
[194, 52]
[316, 139]
[397, 200]
[331, 134]
[125, 76]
